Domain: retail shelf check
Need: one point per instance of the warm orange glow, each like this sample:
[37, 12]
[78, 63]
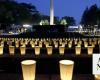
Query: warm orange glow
[22, 50]
[66, 62]
[37, 50]
[49, 50]
[28, 62]
[61, 50]
[1, 50]
[90, 50]
[66, 69]
[28, 69]
[78, 50]
[97, 77]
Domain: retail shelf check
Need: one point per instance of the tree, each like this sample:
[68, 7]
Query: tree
[12, 12]
[6, 18]
[91, 16]
[26, 13]
[69, 20]
[46, 17]
[63, 22]
[84, 17]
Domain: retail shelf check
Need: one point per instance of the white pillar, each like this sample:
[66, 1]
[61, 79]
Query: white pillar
[51, 12]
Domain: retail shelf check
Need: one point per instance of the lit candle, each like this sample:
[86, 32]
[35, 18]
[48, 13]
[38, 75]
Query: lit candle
[11, 50]
[49, 50]
[28, 69]
[1, 50]
[97, 76]
[22, 50]
[78, 50]
[37, 50]
[66, 69]
[90, 50]
[61, 50]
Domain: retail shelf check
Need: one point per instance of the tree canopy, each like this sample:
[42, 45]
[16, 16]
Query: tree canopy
[91, 16]
[12, 12]
[70, 20]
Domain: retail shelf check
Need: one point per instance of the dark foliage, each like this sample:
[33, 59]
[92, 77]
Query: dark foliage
[70, 20]
[12, 12]
[91, 16]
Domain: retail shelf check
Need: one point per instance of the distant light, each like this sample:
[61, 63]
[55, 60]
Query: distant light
[80, 26]
[72, 27]
[96, 25]
[27, 25]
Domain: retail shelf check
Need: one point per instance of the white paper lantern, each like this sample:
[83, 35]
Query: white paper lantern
[37, 50]
[90, 50]
[66, 69]
[1, 50]
[49, 50]
[11, 50]
[28, 69]
[78, 50]
[97, 77]
[22, 50]
[69, 45]
[61, 50]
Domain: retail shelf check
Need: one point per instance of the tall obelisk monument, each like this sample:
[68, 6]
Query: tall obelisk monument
[51, 12]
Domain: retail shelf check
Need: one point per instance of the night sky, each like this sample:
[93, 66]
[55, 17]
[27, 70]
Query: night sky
[62, 8]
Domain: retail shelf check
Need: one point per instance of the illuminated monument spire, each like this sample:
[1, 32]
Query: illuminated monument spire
[51, 12]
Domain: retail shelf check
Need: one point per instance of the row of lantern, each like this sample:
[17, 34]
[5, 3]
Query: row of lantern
[40, 43]
[61, 39]
[66, 70]
[29, 69]
[47, 43]
[55, 42]
[64, 43]
[49, 50]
